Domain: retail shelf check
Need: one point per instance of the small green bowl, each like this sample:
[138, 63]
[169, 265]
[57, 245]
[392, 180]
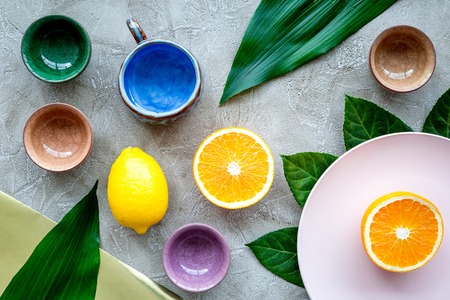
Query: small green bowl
[56, 48]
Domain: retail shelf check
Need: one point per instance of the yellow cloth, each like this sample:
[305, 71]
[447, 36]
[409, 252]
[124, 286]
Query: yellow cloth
[22, 228]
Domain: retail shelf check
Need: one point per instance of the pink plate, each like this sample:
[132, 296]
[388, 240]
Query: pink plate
[332, 259]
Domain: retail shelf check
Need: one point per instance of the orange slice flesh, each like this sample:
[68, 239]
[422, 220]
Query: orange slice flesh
[233, 168]
[402, 231]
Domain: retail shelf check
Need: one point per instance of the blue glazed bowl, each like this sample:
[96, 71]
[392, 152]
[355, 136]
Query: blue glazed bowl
[159, 80]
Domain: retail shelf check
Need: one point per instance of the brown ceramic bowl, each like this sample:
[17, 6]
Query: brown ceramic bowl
[58, 137]
[402, 59]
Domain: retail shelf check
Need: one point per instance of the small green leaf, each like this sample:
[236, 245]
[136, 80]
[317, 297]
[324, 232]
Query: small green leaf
[285, 34]
[302, 170]
[277, 252]
[438, 121]
[365, 120]
[65, 264]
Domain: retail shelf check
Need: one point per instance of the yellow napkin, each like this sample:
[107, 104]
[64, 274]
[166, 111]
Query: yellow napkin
[22, 228]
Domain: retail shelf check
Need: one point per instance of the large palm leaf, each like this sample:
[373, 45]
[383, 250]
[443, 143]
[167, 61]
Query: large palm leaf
[284, 34]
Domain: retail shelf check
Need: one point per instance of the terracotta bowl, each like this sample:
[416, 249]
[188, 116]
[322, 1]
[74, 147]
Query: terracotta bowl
[196, 257]
[402, 59]
[58, 137]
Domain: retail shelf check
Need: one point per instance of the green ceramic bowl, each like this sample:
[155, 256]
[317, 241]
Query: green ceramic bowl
[56, 48]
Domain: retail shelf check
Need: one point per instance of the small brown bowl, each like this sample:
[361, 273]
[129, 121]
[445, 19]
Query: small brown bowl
[402, 59]
[58, 137]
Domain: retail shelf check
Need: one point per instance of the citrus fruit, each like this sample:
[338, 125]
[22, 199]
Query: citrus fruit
[233, 168]
[401, 231]
[137, 190]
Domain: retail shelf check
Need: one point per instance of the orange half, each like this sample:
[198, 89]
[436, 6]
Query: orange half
[233, 168]
[402, 231]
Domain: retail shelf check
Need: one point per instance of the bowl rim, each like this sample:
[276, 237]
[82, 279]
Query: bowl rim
[32, 28]
[54, 107]
[180, 232]
[386, 33]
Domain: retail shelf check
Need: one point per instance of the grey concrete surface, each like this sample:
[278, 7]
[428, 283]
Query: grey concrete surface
[301, 111]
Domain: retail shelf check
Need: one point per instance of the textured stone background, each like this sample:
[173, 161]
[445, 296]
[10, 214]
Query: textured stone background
[301, 111]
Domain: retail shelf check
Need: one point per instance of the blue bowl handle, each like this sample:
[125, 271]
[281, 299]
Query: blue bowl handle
[136, 30]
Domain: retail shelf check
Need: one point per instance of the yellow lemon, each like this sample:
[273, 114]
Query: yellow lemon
[137, 190]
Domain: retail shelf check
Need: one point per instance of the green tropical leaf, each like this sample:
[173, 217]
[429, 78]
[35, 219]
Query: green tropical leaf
[277, 252]
[65, 264]
[302, 170]
[365, 120]
[438, 121]
[285, 34]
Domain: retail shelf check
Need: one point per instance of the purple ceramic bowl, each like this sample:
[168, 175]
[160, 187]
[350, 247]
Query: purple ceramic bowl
[196, 257]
